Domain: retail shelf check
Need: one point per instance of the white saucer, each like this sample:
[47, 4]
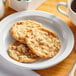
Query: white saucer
[49, 21]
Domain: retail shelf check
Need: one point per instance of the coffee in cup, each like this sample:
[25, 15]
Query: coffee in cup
[73, 5]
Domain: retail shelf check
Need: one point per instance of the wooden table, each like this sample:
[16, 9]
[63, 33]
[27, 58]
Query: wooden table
[63, 68]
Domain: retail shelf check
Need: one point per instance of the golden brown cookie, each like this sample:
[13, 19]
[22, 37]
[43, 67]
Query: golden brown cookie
[21, 53]
[43, 42]
[20, 29]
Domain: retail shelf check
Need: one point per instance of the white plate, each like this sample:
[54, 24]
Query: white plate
[49, 21]
[8, 69]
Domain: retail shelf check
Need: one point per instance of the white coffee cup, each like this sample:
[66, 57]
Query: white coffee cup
[21, 5]
[2, 7]
[71, 14]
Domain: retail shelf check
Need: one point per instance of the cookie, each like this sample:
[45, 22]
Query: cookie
[21, 53]
[20, 29]
[43, 42]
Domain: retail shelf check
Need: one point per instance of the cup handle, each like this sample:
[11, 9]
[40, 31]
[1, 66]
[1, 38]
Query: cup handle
[60, 10]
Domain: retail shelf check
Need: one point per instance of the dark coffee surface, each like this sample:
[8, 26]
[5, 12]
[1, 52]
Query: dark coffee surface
[73, 5]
